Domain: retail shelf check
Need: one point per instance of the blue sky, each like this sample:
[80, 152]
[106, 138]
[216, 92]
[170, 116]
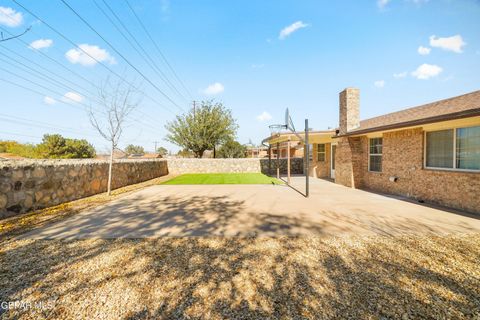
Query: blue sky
[257, 57]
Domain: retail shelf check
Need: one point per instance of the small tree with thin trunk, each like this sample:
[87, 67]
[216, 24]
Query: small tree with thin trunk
[117, 100]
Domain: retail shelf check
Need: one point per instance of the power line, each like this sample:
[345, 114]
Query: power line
[42, 86]
[158, 49]
[49, 127]
[85, 52]
[152, 128]
[20, 135]
[63, 78]
[13, 36]
[50, 79]
[120, 54]
[144, 54]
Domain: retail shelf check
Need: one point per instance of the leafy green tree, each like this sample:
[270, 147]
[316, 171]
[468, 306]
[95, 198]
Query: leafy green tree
[162, 151]
[132, 149]
[185, 153]
[54, 146]
[23, 150]
[202, 129]
[232, 149]
[79, 149]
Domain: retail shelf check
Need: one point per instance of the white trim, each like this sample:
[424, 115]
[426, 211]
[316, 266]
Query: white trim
[332, 170]
[453, 169]
[374, 154]
[454, 128]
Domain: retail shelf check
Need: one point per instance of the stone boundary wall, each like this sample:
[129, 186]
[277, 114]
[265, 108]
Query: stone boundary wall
[181, 166]
[34, 184]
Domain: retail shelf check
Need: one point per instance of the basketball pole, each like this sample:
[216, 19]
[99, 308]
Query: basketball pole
[307, 164]
[288, 161]
[278, 160]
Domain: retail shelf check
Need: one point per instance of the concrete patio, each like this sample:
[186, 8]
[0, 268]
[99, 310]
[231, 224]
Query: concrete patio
[261, 210]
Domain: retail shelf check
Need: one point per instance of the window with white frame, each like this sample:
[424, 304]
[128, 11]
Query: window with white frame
[310, 152]
[457, 148]
[321, 152]
[375, 155]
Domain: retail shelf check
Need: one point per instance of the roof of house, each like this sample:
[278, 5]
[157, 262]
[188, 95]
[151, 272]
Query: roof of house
[452, 108]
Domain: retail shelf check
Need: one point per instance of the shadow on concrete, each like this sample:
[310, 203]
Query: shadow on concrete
[142, 217]
[285, 180]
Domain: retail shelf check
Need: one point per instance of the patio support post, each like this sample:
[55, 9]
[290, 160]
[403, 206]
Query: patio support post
[270, 160]
[307, 157]
[278, 160]
[288, 161]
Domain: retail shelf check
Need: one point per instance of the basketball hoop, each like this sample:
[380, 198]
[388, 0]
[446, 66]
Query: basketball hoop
[276, 128]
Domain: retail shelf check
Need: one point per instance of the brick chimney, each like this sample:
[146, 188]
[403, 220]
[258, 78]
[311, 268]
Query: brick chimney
[349, 109]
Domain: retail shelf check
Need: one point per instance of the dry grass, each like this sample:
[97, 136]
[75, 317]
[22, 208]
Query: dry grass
[221, 278]
[13, 226]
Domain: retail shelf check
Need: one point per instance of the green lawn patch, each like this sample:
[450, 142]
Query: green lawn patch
[223, 178]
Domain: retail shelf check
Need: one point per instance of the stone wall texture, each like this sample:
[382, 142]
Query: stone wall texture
[403, 158]
[296, 166]
[34, 184]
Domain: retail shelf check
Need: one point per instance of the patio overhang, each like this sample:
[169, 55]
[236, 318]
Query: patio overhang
[313, 137]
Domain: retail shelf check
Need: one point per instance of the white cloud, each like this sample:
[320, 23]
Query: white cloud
[379, 83]
[453, 43]
[257, 66]
[72, 97]
[382, 3]
[291, 29]
[426, 71]
[41, 43]
[400, 75]
[78, 56]
[10, 18]
[214, 88]
[49, 100]
[423, 50]
[264, 116]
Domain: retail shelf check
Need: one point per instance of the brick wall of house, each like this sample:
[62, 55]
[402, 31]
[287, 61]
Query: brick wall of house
[403, 158]
[320, 169]
[344, 163]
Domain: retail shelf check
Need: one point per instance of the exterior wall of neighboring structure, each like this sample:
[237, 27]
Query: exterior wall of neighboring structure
[403, 158]
[295, 151]
[256, 152]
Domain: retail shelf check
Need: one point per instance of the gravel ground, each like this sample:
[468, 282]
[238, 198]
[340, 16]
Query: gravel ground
[407, 277]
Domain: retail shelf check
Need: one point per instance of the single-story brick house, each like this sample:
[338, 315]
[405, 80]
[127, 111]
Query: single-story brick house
[430, 152]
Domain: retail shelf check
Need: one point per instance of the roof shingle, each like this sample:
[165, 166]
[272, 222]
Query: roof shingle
[463, 103]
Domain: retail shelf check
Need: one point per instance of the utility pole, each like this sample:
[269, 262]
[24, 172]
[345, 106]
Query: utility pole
[155, 151]
[194, 108]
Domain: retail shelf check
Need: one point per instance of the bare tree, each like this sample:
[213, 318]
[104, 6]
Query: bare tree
[117, 100]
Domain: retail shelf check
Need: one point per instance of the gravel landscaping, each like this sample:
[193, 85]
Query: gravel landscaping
[405, 277]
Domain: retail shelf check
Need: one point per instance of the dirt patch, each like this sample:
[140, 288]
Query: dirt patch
[405, 277]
